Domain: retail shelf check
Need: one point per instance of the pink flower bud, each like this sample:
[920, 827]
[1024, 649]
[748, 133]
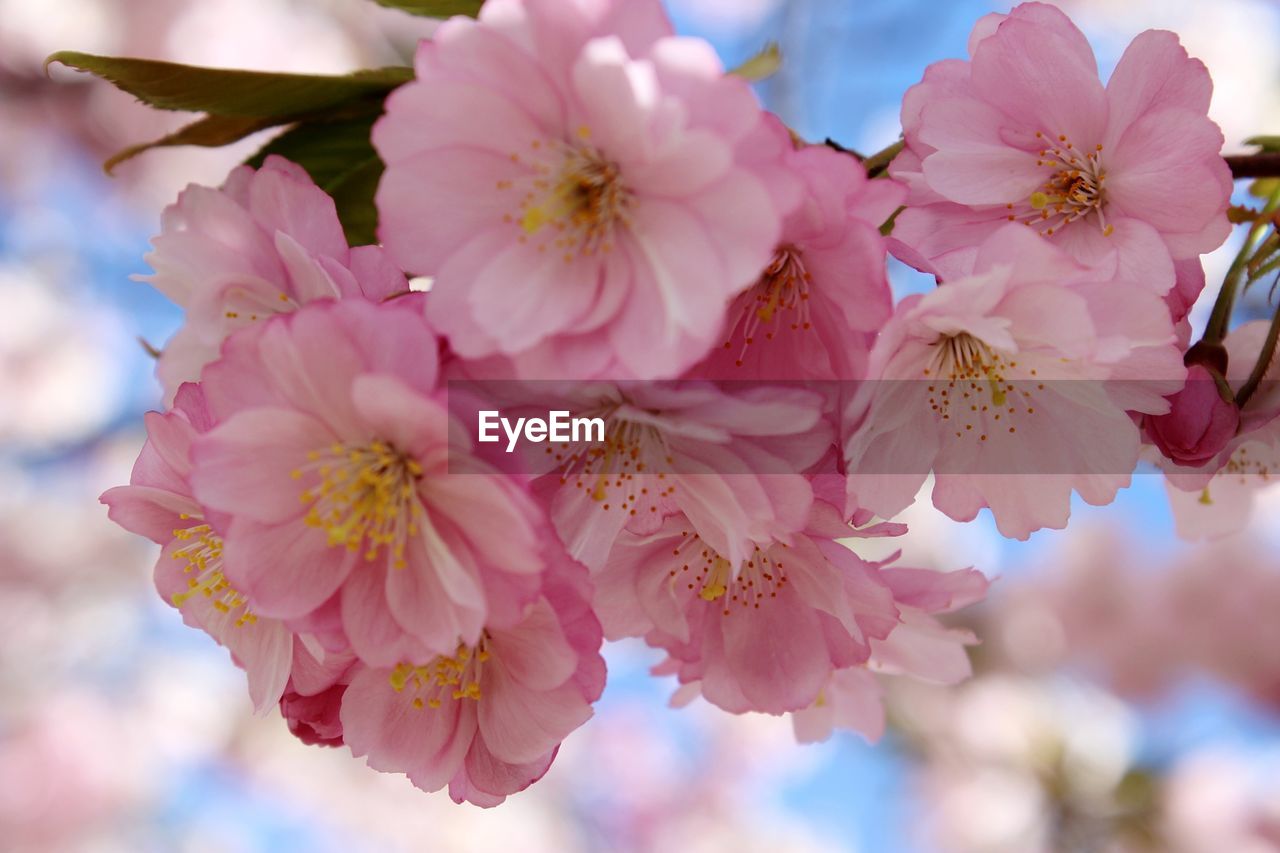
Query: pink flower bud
[314, 720]
[1199, 424]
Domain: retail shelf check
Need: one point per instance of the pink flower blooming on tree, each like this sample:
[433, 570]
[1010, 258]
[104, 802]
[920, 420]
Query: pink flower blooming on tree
[487, 718]
[265, 243]
[614, 170]
[762, 635]
[1024, 131]
[189, 575]
[615, 231]
[814, 310]
[347, 487]
[728, 458]
[998, 383]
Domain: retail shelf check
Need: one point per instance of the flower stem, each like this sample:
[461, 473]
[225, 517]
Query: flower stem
[1263, 364]
[878, 163]
[1216, 330]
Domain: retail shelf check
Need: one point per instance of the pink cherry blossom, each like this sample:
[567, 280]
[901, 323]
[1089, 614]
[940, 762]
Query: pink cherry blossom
[1024, 131]
[1012, 385]
[158, 504]
[728, 457]
[814, 310]
[487, 718]
[587, 190]
[763, 635]
[919, 647]
[265, 243]
[350, 491]
[852, 699]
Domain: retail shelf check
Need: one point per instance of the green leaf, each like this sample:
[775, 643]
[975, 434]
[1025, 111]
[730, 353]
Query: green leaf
[209, 132]
[342, 161]
[1264, 188]
[435, 8]
[1266, 143]
[326, 149]
[762, 66]
[234, 92]
[353, 193]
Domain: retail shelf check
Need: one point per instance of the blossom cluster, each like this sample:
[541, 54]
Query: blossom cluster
[612, 225]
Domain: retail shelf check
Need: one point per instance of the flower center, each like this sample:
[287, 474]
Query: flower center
[782, 289]
[1073, 190]
[454, 678]
[627, 472]
[964, 372]
[712, 577]
[572, 200]
[364, 497]
[203, 568]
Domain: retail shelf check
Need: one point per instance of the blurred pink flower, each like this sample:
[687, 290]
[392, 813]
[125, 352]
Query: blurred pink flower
[1126, 175]
[350, 490]
[265, 243]
[189, 575]
[587, 190]
[487, 718]
[998, 384]
[814, 311]
[1145, 630]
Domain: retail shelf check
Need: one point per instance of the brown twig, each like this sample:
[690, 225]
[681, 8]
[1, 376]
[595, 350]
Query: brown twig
[1262, 165]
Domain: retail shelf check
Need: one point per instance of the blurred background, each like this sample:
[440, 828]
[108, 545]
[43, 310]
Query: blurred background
[1127, 695]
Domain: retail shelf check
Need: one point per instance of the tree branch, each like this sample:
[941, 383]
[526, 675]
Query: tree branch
[1263, 165]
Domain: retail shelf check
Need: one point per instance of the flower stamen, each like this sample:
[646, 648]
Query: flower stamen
[365, 499]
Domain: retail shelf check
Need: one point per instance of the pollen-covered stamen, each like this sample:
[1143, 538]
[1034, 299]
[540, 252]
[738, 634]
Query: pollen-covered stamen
[364, 496]
[777, 303]
[203, 558]
[699, 569]
[627, 472]
[445, 678]
[572, 201]
[971, 387]
[1244, 465]
[243, 305]
[1074, 189]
